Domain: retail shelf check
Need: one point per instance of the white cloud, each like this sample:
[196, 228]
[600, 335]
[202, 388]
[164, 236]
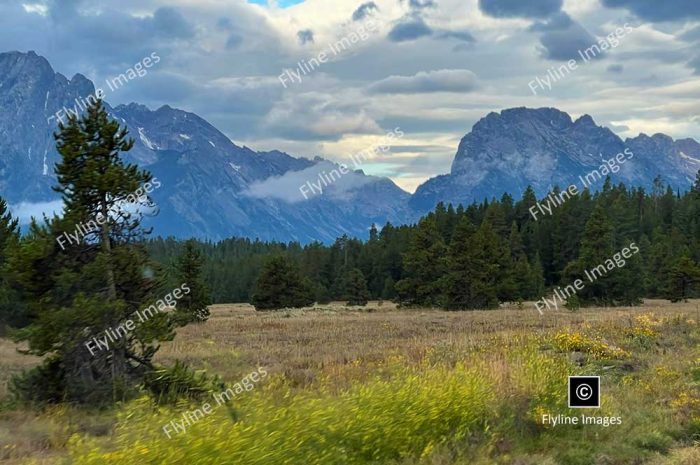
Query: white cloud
[37, 8]
[25, 211]
[288, 186]
[319, 116]
[444, 80]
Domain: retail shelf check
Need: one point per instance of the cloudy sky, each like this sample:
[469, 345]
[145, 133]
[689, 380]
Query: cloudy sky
[430, 67]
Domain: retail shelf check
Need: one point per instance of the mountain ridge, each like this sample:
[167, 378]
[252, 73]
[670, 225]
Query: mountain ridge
[214, 188]
[507, 151]
[205, 175]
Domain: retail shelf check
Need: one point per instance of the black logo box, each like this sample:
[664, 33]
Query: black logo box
[584, 391]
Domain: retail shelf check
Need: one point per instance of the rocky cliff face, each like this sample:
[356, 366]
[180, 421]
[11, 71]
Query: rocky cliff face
[507, 151]
[30, 92]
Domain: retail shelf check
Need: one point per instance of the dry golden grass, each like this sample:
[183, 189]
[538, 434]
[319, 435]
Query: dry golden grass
[300, 343]
[12, 362]
[345, 344]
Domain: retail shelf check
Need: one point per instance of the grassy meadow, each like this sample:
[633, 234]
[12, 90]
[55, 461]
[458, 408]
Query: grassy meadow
[377, 385]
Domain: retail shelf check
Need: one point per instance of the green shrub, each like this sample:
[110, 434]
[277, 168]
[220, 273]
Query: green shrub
[169, 385]
[43, 384]
[573, 303]
[654, 441]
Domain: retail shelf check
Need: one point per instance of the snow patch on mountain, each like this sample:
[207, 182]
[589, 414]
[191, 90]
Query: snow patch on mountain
[689, 158]
[146, 141]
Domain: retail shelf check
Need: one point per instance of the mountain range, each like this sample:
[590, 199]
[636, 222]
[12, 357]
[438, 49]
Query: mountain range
[212, 188]
[507, 151]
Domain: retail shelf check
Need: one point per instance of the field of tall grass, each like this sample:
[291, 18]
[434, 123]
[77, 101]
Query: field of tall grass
[388, 386]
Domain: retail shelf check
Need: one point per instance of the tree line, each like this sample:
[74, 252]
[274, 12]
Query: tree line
[476, 256]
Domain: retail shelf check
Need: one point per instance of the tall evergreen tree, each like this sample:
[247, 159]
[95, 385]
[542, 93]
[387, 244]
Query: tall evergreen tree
[536, 287]
[389, 290]
[627, 284]
[281, 286]
[515, 242]
[596, 247]
[659, 262]
[356, 288]
[80, 288]
[683, 280]
[11, 309]
[470, 281]
[193, 306]
[424, 265]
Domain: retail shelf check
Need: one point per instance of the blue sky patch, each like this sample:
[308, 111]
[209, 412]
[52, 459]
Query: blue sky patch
[281, 3]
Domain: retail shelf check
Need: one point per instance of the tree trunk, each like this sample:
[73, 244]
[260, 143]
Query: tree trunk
[107, 248]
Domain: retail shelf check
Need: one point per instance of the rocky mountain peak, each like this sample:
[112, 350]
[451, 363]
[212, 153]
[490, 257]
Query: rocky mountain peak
[543, 147]
[205, 179]
[585, 120]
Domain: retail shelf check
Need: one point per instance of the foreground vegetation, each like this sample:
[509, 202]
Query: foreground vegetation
[403, 387]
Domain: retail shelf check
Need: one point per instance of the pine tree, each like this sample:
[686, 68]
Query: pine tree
[193, 306]
[321, 294]
[281, 286]
[536, 287]
[356, 288]
[529, 228]
[389, 290]
[373, 233]
[695, 214]
[596, 247]
[513, 269]
[11, 309]
[370, 263]
[9, 229]
[515, 241]
[523, 279]
[496, 217]
[470, 281]
[627, 286]
[683, 280]
[78, 289]
[423, 266]
[659, 263]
